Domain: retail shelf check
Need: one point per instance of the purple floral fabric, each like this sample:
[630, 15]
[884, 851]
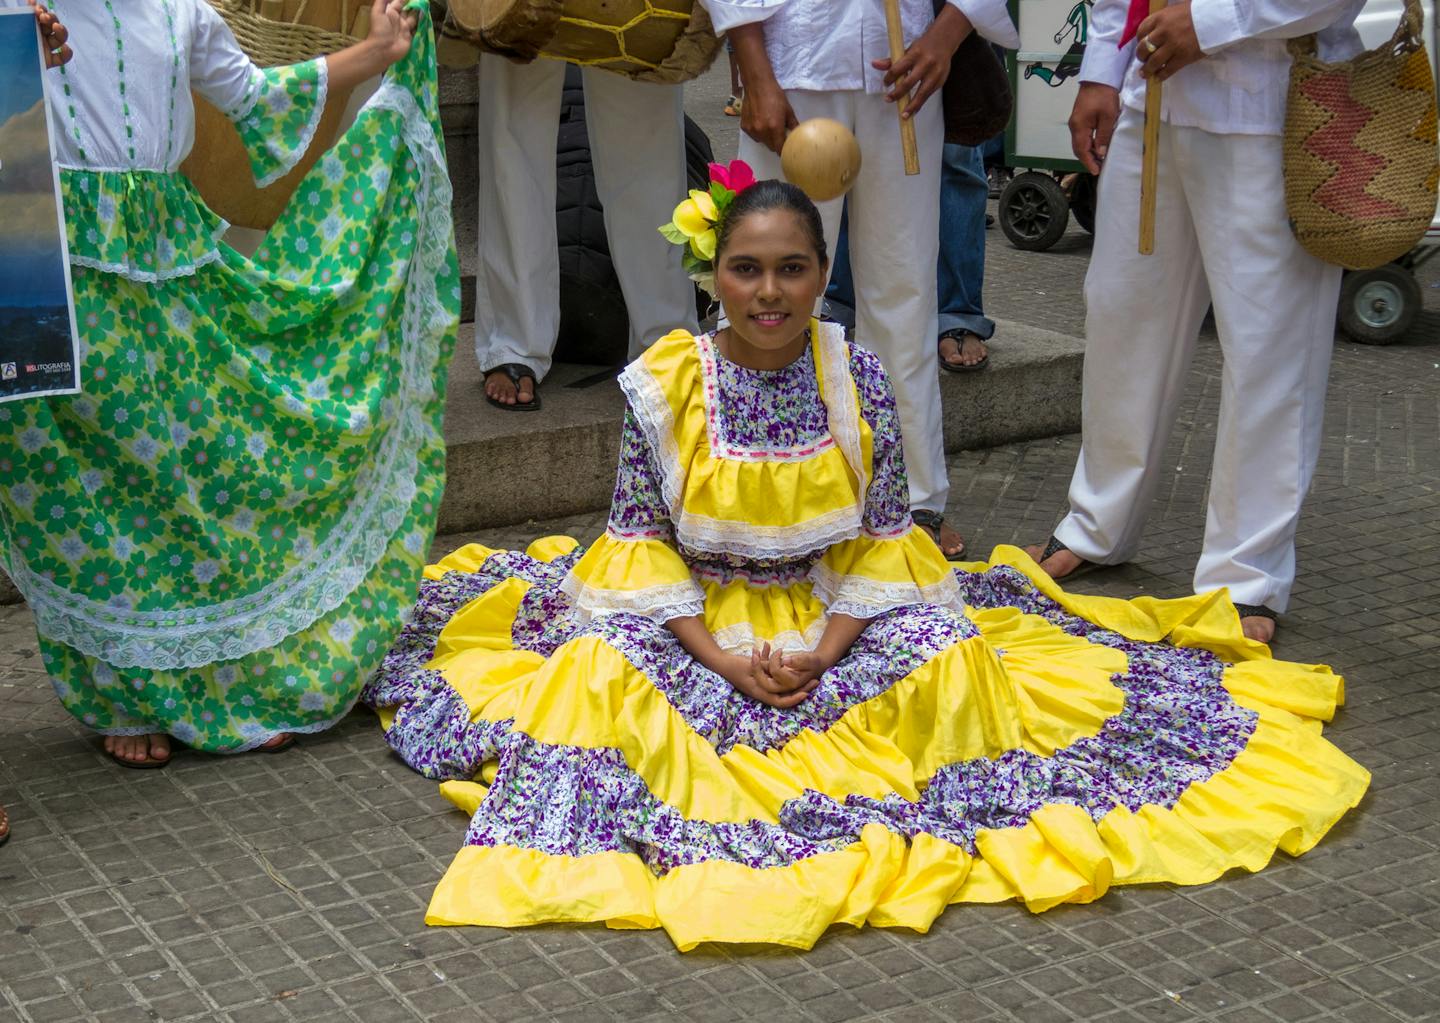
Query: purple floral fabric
[887, 501]
[569, 801]
[891, 647]
[1179, 726]
[768, 409]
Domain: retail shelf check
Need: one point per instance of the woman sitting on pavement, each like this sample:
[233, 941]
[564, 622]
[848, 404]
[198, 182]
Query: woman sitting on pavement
[764, 703]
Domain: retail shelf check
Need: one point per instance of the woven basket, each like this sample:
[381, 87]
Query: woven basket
[1361, 169]
[272, 34]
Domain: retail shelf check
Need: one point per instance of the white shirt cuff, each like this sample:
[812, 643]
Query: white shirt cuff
[728, 14]
[1106, 63]
[991, 19]
[1217, 23]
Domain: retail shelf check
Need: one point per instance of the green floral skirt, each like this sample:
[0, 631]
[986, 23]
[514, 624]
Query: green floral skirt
[220, 537]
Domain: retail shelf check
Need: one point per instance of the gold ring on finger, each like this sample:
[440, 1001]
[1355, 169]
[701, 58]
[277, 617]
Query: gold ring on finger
[1150, 46]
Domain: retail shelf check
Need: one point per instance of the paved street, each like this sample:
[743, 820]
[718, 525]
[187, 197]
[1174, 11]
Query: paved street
[293, 887]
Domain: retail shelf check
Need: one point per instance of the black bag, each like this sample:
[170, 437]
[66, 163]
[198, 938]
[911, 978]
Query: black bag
[977, 99]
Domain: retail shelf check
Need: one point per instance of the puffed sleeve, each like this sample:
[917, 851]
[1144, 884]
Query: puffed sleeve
[727, 14]
[991, 18]
[276, 110]
[634, 567]
[892, 563]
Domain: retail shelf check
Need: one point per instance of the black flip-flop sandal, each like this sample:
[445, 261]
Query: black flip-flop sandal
[516, 372]
[148, 764]
[1052, 547]
[958, 336]
[1258, 611]
[933, 521]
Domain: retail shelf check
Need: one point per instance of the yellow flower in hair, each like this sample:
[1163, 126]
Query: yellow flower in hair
[703, 245]
[695, 215]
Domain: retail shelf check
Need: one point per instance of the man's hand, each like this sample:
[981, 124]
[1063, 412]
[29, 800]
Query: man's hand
[766, 116]
[54, 36]
[1092, 122]
[1166, 42]
[922, 71]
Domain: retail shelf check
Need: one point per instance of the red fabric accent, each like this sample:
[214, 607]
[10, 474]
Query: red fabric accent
[1139, 11]
[1344, 194]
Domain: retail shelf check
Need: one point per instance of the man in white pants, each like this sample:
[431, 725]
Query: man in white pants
[814, 58]
[1222, 239]
[637, 148]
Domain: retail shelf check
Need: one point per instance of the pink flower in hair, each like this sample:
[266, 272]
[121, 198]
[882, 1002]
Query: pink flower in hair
[737, 177]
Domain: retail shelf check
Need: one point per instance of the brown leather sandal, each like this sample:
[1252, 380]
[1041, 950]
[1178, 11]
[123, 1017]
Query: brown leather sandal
[4, 826]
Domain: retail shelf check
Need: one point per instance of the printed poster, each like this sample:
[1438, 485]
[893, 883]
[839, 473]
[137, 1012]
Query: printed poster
[39, 351]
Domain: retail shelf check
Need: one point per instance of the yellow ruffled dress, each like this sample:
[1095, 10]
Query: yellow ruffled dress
[988, 737]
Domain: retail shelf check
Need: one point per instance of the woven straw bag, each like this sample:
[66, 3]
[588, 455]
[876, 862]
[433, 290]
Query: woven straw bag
[1360, 149]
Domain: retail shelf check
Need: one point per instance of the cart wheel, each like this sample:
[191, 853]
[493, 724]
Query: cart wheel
[1082, 202]
[1378, 306]
[1033, 211]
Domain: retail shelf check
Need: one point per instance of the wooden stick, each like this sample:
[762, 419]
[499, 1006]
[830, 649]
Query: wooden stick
[1150, 153]
[897, 50]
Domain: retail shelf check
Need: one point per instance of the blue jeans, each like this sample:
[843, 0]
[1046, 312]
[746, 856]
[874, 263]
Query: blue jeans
[961, 273]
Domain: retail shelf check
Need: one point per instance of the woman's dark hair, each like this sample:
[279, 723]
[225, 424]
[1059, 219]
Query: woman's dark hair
[764, 196]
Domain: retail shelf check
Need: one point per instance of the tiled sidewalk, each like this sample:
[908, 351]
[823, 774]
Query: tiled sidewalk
[293, 887]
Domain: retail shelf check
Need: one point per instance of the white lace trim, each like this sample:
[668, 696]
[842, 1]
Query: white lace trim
[862, 597]
[724, 536]
[837, 390]
[657, 423]
[190, 637]
[741, 638]
[658, 603]
[148, 276]
[307, 136]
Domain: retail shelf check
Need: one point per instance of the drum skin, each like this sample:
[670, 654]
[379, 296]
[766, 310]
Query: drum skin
[665, 41]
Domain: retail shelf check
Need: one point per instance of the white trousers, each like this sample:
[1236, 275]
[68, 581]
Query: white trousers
[894, 249]
[1221, 238]
[637, 147]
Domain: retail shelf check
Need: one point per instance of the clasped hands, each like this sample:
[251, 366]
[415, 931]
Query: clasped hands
[774, 677]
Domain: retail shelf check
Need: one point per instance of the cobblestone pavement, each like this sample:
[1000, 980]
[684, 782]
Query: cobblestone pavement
[293, 887]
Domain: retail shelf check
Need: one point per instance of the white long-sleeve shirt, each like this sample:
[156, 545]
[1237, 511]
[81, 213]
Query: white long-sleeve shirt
[1239, 88]
[827, 45]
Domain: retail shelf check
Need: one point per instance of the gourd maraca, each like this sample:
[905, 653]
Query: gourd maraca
[822, 157]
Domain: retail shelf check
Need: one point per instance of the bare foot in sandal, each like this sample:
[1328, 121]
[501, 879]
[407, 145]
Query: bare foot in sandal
[1058, 565]
[151, 750]
[962, 350]
[4, 826]
[502, 389]
[950, 542]
[1258, 627]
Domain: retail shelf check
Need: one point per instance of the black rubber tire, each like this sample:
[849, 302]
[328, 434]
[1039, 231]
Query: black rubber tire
[1033, 211]
[1082, 202]
[594, 324]
[1379, 306]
